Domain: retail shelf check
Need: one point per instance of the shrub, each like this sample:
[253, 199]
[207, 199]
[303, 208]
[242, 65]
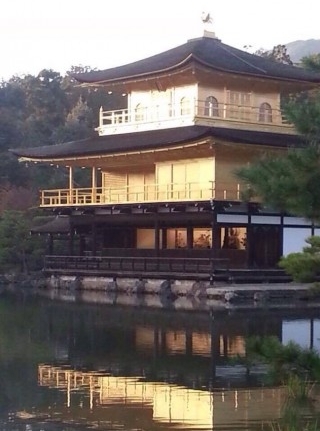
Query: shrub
[303, 266]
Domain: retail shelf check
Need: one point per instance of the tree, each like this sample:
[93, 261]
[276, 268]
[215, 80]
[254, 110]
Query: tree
[289, 182]
[78, 124]
[311, 62]
[279, 53]
[18, 250]
[303, 110]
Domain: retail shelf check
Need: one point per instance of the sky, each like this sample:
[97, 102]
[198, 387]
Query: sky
[58, 34]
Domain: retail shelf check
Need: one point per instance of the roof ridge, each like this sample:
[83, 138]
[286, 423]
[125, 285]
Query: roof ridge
[224, 47]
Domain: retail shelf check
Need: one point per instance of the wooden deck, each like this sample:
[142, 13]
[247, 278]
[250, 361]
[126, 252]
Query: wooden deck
[206, 269]
[153, 267]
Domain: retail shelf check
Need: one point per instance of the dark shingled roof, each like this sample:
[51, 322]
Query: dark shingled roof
[60, 224]
[155, 139]
[209, 52]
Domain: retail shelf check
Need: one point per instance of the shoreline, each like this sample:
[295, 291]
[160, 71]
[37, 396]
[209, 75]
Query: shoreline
[176, 294]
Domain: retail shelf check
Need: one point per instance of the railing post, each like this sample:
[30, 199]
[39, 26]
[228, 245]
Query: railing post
[101, 116]
[94, 185]
[213, 189]
[238, 191]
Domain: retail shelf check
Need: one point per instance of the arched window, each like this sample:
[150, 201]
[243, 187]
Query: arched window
[265, 113]
[211, 107]
[185, 106]
[139, 112]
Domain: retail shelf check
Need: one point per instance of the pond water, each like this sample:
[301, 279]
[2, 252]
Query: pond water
[74, 365]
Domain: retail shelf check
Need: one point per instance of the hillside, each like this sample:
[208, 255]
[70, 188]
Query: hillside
[302, 48]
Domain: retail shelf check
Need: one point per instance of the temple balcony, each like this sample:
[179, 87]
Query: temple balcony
[148, 193]
[262, 118]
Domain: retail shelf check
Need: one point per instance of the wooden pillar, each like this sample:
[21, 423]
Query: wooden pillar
[94, 184]
[250, 239]
[215, 234]
[94, 239]
[70, 185]
[82, 245]
[189, 237]
[156, 236]
[164, 237]
[189, 345]
[50, 244]
[71, 241]
[214, 348]
[156, 342]
[163, 341]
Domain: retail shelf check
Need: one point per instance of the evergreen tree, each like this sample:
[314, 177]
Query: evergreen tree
[289, 182]
[18, 250]
[311, 62]
[279, 54]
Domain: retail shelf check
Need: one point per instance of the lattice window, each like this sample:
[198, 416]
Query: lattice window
[211, 107]
[265, 113]
[185, 106]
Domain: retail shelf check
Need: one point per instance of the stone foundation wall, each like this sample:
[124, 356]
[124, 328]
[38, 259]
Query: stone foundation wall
[181, 291]
[130, 285]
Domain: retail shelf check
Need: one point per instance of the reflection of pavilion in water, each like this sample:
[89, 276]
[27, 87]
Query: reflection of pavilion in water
[136, 397]
[223, 343]
[194, 351]
[163, 370]
[165, 403]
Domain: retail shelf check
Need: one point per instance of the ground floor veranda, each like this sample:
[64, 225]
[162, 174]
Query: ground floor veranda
[177, 238]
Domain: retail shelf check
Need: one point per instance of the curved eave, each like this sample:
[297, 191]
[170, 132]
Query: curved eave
[141, 76]
[102, 154]
[160, 140]
[188, 61]
[210, 53]
[209, 66]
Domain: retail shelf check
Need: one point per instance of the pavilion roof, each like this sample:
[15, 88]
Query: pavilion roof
[209, 52]
[148, 140]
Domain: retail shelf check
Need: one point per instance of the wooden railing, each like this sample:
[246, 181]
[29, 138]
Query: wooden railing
[134, 265]
[161, 115]
[147, 193]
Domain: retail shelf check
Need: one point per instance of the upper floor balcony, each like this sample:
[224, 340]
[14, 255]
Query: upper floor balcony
[147, 193]
[188, 113]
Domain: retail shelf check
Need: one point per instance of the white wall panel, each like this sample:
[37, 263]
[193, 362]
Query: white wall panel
[296, 221]
[265, 219]
[232, 218]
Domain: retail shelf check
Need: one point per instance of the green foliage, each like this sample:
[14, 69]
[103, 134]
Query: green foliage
[303, 110]
[78, 124]
[304, 266]
[43, 110]
[286, 362]
[298, 388]
[300, 266]
[279, 54]
[296, 368]
[297, 411]
[288, 183]
[18, 250]
[312, 62]
[295, 424]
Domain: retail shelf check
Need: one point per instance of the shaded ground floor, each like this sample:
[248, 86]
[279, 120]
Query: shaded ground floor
[230, 235]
